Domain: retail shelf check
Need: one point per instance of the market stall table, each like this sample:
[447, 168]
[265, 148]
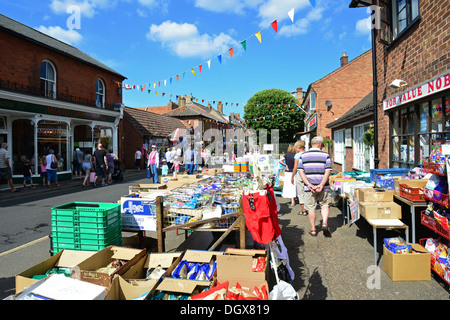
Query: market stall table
[413, 206]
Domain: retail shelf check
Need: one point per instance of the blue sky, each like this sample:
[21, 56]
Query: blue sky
[152, 41]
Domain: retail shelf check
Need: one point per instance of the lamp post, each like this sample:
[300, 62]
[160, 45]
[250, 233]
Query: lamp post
[361, 4]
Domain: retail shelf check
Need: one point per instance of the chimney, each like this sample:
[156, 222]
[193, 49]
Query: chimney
[181, 101]
[220, 107]
[344, 59]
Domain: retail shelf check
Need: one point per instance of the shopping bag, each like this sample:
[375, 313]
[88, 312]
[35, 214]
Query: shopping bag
[258, 212]
[92, 177]
[283, 291]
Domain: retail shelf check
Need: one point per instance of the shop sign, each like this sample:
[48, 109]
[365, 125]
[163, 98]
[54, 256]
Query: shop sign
[37, 108]
[312, 123]
[436, 85]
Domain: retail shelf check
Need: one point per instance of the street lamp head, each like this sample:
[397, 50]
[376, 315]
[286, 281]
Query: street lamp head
[397, 83]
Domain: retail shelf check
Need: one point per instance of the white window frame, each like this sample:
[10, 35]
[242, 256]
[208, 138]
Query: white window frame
[49, 82]
[98, 94]
[359, 147]
[339, 146]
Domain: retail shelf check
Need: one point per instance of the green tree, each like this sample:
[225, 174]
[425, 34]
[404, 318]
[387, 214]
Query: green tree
[272, 109]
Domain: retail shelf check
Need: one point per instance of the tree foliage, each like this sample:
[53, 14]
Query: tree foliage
[273, 109]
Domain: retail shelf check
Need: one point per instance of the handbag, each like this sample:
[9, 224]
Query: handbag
[54, 165]
[92, 177]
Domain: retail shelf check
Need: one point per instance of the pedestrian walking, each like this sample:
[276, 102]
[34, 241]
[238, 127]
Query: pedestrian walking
[5, 166]
[101, 165]
[43, 165]
[169, 157]
[77, 160]
[205, 157]
[110, 157]
[315, 168]
[289, 189]
[153, 163]
[52, 167]
[137, 159]
[189, 160]
[27, 173]
[176, 167]
[87, 167]
[299, 147]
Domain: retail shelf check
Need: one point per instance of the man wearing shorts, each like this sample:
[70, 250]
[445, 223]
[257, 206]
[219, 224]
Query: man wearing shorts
[315, 168]
[101, 164]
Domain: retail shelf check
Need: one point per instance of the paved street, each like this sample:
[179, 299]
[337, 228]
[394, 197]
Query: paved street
[333, 268]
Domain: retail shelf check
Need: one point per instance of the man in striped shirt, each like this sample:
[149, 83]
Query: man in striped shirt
[315, 168]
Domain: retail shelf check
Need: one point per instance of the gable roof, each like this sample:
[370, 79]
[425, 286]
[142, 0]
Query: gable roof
[149, 123]
[363, 108]
[33, 35]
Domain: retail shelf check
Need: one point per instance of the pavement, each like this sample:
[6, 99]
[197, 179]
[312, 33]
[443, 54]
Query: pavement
[339, 267]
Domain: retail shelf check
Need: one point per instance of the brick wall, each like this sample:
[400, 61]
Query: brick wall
[20, 62]
[420, 54]
[344, 87]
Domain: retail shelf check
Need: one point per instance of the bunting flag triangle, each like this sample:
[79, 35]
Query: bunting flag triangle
[163, 94]
[178, 77]
[154, 85]
[209, 64]
[291, 14]
[244, 44]
[258, 35]
[220, 58]
[165, 82]
[274, 25]
[156, 92]
[200, 68]
[193, 71]
[159, 83]
[231, 52]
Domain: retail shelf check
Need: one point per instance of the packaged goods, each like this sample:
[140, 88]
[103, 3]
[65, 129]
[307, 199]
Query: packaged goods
[397, 245]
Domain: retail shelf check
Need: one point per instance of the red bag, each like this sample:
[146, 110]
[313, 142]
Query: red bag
[261, 216]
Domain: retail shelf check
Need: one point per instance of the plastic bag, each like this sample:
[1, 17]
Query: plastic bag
[283, 291]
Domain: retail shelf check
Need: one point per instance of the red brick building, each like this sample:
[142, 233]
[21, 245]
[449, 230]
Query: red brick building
[330, 97]
[53, 96]
[413, 75]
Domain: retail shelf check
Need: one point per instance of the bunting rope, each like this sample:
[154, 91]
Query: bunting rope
[243, 43]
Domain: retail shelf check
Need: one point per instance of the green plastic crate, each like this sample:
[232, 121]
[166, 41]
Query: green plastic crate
[85, 245]
[87, 209]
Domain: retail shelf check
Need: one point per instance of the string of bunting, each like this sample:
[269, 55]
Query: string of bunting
[182, 75]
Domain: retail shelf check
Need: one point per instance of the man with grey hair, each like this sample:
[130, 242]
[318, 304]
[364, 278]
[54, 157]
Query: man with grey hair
[5, 166]
[315, 169]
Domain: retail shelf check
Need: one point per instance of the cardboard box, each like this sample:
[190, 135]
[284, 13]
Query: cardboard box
[98, 268]
[415, 183]
[122, 290]
[60, 287]
[408, 266]
[182, 286]
[145, 187]
[167, 261]
[64, 258]
[200, 256]
[375, 195]
[380, 210]
[238, 264]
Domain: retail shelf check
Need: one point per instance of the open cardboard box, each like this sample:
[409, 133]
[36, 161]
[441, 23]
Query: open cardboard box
[380, 210]
[238, 263]
[414, 266]
[64, 258]
[200, 256]
[122, 290]
[182, 286]
[97, 268]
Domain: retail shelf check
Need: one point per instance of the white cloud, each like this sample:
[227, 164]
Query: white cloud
[186, 41]
[227, 6]
[68, 36]
[302, 26]
[363, 26]
[88, 8]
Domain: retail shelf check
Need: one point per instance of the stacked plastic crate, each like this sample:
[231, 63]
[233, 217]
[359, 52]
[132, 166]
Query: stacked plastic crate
[85, 226]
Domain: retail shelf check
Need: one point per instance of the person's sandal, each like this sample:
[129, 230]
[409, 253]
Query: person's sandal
[303, 213]
[326, 230]
[313, 233]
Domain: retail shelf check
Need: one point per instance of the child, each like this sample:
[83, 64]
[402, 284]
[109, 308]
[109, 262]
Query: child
[164, 168]
[176, 167]
[27, 174]
[44, 171]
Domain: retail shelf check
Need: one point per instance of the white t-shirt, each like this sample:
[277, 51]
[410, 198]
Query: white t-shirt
[138, 154]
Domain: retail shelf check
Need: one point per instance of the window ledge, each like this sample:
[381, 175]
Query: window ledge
[400, 37]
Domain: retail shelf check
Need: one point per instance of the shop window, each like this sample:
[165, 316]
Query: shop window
[48, 80]
[100, 94]
[103, 135]
[22, 145]
[53, 135]
[403, 147]
[339, 146]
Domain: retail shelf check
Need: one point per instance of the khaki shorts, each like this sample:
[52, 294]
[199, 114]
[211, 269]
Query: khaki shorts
[313, 199]
[300, 188]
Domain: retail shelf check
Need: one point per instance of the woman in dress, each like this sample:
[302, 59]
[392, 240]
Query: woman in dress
[289, 190]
